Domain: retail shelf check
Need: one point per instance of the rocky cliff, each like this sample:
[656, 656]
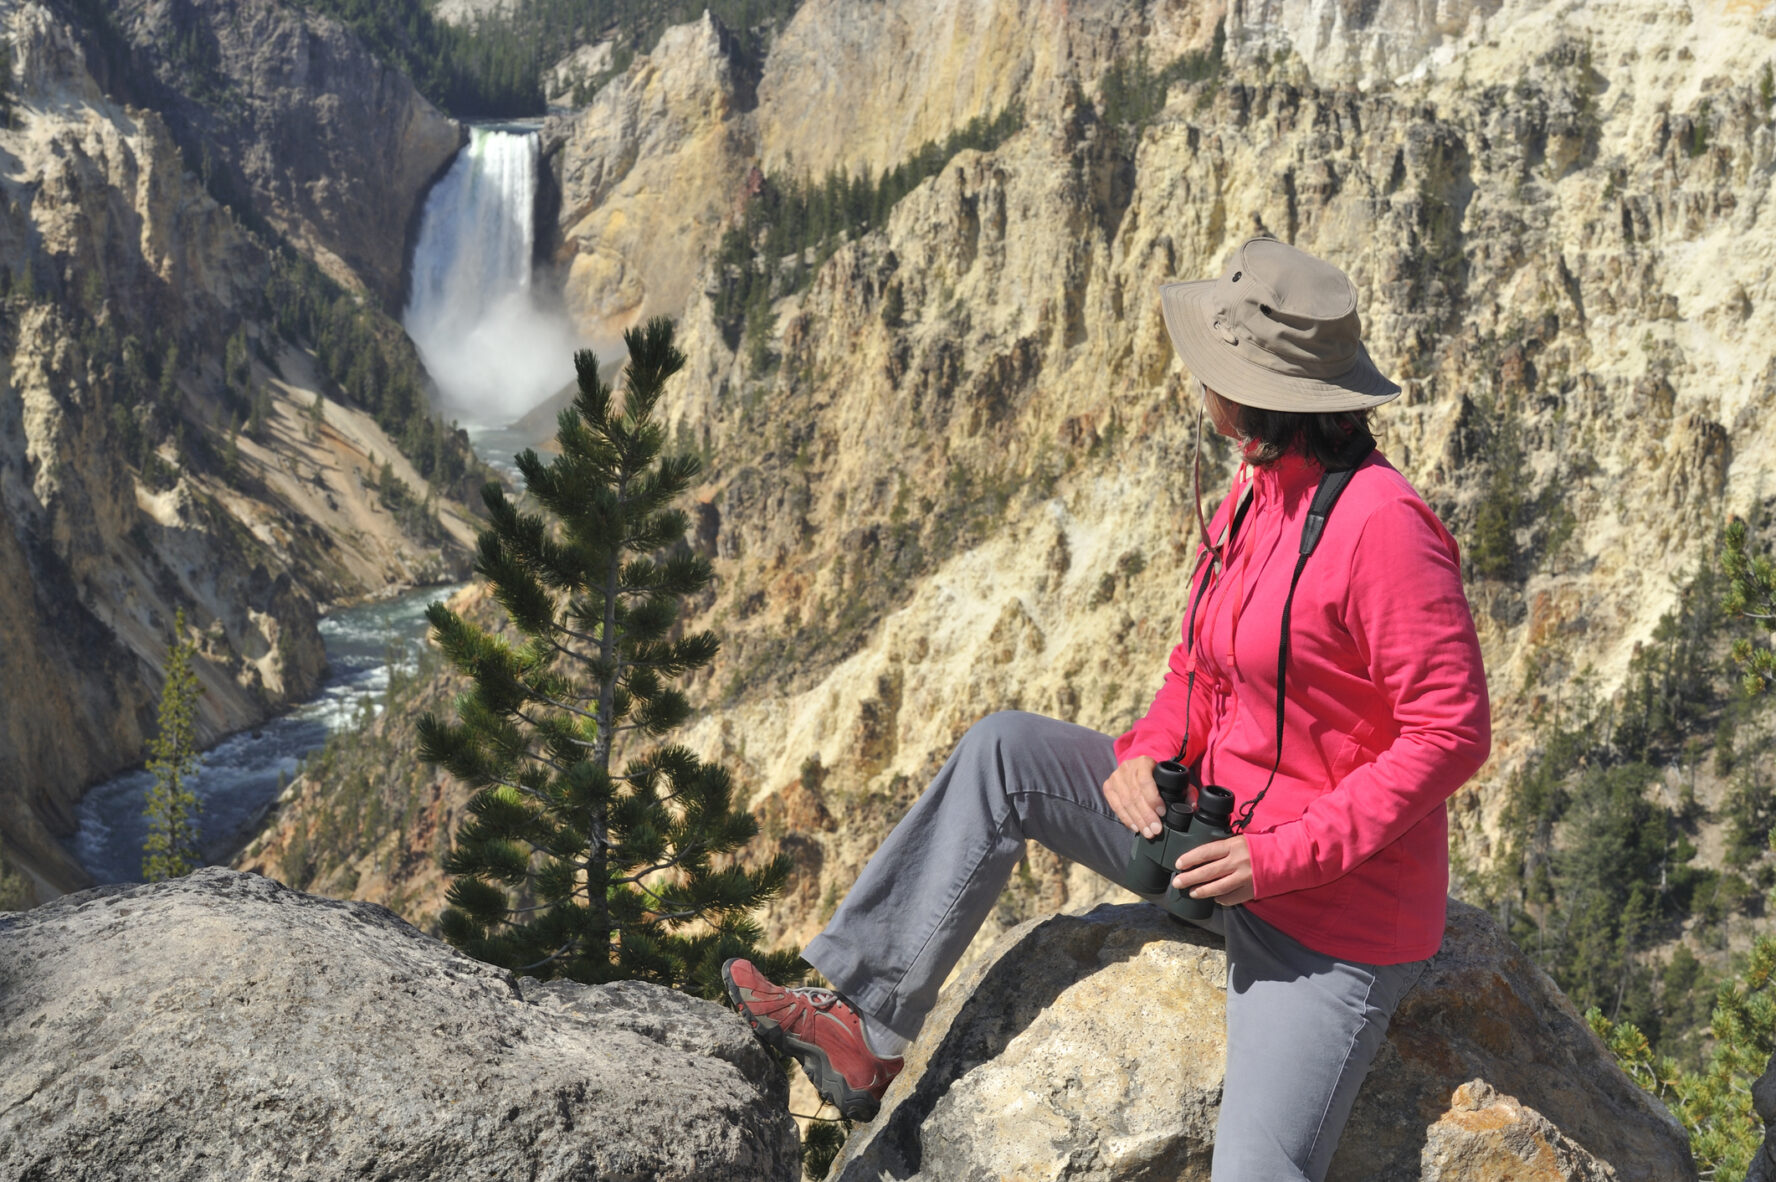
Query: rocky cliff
[166, 437]
[288, 111]
[221, 1026]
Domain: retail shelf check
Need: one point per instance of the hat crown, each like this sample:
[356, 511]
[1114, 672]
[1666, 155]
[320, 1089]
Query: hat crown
[1298, 313]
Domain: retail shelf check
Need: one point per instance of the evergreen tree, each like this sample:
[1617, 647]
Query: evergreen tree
[893, 306]
[568, 867]
[1713, 1104]
[170, 849]
[15, 889]
[317, 414]
[1751, 594]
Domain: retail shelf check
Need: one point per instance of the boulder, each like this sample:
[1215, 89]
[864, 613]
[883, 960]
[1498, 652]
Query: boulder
[224, 1026]
[1489, 1137]
[1091, 1047]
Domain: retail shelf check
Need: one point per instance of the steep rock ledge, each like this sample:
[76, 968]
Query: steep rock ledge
[221, 1025]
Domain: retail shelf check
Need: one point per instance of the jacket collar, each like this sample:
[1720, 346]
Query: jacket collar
[1292, 472]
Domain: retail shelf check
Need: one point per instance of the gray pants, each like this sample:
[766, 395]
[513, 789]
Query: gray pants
[1302, 1028]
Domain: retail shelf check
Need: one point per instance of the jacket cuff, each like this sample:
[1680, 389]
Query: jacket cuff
[1153, 746]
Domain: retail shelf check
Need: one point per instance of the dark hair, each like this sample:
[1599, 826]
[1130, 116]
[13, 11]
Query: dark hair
[1333, 439]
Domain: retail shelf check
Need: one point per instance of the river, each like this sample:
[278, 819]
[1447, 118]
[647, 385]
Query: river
[240, 776]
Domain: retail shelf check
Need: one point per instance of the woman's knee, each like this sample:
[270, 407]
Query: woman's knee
[1002, 727]
[1019, 751]
[1010, 739]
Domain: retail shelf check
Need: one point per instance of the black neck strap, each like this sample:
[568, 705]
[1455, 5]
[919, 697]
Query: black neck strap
[1331, 487]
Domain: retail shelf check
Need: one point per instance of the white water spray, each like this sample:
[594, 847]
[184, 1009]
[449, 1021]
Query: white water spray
[471, 311]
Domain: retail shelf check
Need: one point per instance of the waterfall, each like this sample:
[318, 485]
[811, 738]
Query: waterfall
[494, 352]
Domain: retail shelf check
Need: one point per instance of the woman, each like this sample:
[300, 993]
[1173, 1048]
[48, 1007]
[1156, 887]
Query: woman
[1332, 890]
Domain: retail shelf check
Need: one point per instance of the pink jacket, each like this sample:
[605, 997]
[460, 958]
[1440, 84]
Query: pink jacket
[1386, 710]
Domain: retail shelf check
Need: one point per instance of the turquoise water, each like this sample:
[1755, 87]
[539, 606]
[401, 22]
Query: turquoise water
[240, 776]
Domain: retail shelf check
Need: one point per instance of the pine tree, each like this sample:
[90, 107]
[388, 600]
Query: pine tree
[1714, 1104]
[317, 414]
[170, 849]
[893, 306]
[1751, 594]
[567, 867]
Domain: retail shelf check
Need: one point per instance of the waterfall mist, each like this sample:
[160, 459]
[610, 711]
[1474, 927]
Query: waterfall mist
[493, 350]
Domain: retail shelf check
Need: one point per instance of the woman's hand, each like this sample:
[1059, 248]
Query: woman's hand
[1218, 870]
[1133, 795]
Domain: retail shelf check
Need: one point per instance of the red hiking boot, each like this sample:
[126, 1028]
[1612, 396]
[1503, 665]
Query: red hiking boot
[821, 1031]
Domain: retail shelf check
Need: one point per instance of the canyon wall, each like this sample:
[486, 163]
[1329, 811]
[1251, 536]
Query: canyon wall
[289, 112]
[163, 444]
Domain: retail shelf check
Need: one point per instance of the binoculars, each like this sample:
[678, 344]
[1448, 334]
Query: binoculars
[1154, 860]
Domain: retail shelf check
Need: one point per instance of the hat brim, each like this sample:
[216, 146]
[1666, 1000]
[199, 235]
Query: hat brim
[1220, 366]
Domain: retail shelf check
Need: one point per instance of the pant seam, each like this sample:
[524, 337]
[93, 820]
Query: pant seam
[1343, 1070]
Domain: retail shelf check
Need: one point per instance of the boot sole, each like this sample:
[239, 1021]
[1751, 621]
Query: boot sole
[851, 1103]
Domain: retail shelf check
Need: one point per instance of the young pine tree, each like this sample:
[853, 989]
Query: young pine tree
[1714, 1104]
[1751, 594]
[171, 848]
[568, 866]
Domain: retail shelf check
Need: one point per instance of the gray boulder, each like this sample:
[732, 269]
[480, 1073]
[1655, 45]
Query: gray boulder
[223, 1026]
[1091, 1048]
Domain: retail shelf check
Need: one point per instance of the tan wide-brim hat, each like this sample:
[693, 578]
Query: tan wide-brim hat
[1279, 330]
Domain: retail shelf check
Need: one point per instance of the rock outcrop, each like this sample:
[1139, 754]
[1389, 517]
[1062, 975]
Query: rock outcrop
[655, 153]
[1488, 1137]
[223, 1026]
[1091, 1048]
